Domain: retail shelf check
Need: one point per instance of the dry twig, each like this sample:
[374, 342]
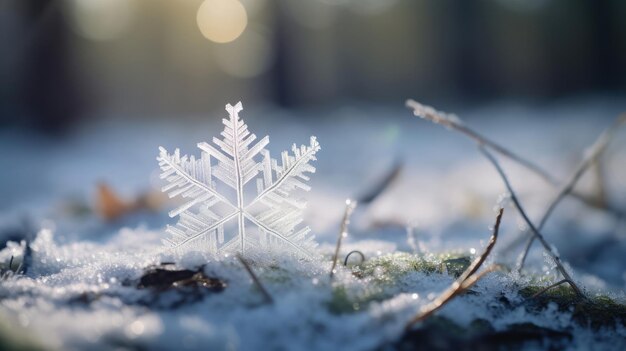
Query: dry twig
[9, 272]
[350, 206]
[481, 259]
[453, 291]
[464, 282]
[255, 279]
[534, 230]
[590, 157]
[381, 185]
[453, 122]
[600, 190]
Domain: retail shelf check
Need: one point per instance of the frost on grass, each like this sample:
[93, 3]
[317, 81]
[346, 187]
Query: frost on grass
[236, 161]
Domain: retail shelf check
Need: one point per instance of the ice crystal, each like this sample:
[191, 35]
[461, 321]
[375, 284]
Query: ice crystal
[224, 172]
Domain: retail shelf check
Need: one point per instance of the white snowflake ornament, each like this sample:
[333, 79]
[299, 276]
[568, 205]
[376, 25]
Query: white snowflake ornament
[209, 217]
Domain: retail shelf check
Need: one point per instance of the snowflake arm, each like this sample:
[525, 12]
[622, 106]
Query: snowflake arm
[197, 226]
[236, 165]
[275, 233]
[290, 174]
[284, 213]
[189, 178]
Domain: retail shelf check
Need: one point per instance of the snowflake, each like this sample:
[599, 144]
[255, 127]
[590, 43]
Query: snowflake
[206, 208]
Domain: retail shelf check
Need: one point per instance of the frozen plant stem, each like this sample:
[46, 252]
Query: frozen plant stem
[343, 231]
[345, 261]
[378, 188]
[492, 241]
[453, 122]
[469, 282]
[255, 279]
[544, 290]
[534, 230]
[453, 291]
[464, 282]
[600, 181]
[589, 158]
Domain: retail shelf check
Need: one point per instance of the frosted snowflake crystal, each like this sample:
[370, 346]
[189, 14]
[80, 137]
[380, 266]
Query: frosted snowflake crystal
[207, 208]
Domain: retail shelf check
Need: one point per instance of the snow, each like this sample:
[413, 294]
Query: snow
[445, 190]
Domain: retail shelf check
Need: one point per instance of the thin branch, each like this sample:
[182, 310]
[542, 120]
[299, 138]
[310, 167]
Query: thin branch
[453, 122]
[535, 231]
[453, 291]
[464, 282]
[382, 184]
[255, 279]
[350, 206]
[589, 158]
[492, 241]
[26, 257]
[600, 187]
[469, 282]
[9, 272]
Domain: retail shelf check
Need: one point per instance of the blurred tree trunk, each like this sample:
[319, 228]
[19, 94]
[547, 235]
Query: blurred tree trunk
[47, 91]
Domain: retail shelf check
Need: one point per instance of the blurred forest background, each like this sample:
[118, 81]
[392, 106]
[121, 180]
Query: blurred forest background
[68, 61]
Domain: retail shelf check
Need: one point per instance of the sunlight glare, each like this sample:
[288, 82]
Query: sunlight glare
[222, 21]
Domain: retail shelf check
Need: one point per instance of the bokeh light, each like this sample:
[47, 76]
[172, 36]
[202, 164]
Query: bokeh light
[247, 57]
[101, 20]
[222, 21]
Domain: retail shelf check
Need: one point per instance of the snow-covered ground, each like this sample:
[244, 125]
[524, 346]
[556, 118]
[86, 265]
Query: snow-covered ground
[446, 190]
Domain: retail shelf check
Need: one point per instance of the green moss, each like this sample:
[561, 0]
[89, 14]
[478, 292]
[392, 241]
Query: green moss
[340, 302]
[389, 268]
[343, 301]
[595, 311]
[275, 274]
[456, 266]
[383, 271]
[563, 295]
